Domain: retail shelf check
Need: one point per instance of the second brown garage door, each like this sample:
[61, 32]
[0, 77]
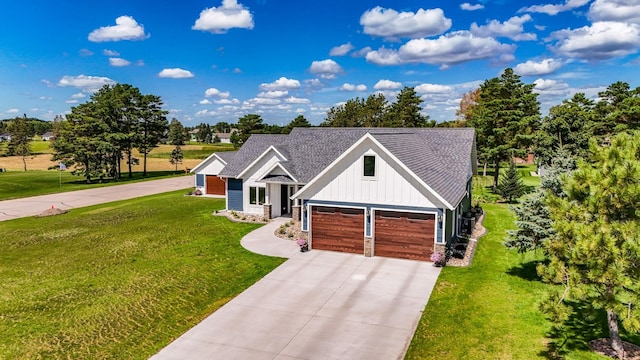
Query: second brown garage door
[404, 235]
[215, 185]
[337, 229]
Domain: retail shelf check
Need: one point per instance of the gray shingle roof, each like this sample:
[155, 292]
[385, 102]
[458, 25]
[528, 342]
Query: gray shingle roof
[441, 157]
[227, 156]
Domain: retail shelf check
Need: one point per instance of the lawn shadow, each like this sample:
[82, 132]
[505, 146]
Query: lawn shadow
[526, 271]
[584, 324]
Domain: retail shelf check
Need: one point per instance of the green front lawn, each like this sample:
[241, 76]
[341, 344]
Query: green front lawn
[119, 280]
[20, 184]
[199, 152]
[489, 310]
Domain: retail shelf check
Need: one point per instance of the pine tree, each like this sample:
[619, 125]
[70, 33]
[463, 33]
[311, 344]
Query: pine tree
[534, 224]
[595, 255]
[511, 186]
[176, 156]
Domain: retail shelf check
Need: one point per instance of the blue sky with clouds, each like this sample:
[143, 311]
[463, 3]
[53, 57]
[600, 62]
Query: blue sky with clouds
[217, 60]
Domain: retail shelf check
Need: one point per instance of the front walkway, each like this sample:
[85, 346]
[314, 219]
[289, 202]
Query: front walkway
[316, 305]
[31, 206]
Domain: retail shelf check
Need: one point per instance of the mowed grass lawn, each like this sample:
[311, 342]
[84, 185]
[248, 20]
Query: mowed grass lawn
[20, 184]
[119, 280]
[489, 310]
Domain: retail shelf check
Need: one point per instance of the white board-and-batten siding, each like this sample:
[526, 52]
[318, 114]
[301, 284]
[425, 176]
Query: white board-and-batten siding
[392, 185]
[213, 168]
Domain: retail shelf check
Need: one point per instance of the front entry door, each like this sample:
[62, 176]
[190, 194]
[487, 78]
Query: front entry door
[284, 199]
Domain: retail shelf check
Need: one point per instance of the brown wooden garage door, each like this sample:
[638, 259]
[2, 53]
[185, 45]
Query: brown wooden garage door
[337, 229]
[404, 235]
[215, 185]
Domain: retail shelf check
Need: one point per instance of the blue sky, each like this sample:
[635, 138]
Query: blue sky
[217, 60]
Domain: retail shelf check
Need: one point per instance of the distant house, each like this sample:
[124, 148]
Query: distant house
[193, 134]
[47, 136]
[225, 138]
[5, 137]
[207, 179]
[378, 192]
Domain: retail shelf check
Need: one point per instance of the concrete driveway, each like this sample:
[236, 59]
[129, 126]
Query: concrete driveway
[31, 206]
[317, 305]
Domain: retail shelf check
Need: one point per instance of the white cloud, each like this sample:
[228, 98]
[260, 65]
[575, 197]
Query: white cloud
[227, 101]
[140, 63]
[237, 71]
[175, 73]
[227, 16]
[205, 112]
[390, 24]
[73, 101]
[205, 102]
[551, 88]
[533, 68]
[78, 96]
[296, 100]
[86, 52]
[12, 111]
[511, 29]
[341, 50]
[313, 83]
[84, 82]
[432, 89]
[362, 52]
[387, 85]
[281, 84]
[469, 7]
[554, 9]
[600, 41]
[273, 94]
[112, 53]
[119, 62]
[353, 87]
[452, 48]
[615, 10]
[260, 101]
[126, 28]
[326, 69]
[217, 93]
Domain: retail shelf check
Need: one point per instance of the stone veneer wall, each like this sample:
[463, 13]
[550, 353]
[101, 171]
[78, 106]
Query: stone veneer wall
[295, 212]
[367, 247]
[267, 211]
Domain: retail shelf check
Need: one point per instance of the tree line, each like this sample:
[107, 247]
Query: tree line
[99, 134]
[584, 216]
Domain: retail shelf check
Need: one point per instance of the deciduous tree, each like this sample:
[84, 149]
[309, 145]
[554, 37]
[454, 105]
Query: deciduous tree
[20, 143]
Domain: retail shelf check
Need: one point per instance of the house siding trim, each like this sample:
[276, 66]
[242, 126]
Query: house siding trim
[257, 160]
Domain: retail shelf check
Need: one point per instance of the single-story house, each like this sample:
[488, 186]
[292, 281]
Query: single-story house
[5, 137]
[224, 138]
[47, 136]
[207, 179]
[375, 191]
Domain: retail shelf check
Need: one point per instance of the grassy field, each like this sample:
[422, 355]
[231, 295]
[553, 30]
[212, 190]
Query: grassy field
[19, 184]
[119, 280]
[157, 160]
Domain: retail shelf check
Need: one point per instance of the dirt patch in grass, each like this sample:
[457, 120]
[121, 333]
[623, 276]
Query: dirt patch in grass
[603, 347]
[52, 211]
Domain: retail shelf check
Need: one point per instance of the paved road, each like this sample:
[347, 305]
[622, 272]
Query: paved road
[17, 208]
[317, 305]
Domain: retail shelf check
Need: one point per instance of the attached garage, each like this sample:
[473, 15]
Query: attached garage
[215, 185]
[337, 229]
[404, 235]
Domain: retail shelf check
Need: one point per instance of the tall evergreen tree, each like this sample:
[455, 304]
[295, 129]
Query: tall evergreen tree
[533, 220]
[596, 253]
[152, 124]
[176, 156]
[406, 111]
[20, 143]
[505, 118]
[247, 125]
[299, 121]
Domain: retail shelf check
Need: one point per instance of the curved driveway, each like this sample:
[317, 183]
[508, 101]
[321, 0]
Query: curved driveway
[316, 305]
[31, 206]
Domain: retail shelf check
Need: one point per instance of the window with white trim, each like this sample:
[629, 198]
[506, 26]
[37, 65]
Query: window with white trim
[257, 195]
